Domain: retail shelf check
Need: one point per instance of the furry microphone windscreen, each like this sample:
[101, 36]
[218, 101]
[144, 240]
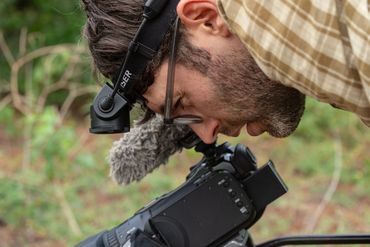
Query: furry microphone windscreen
[143, 149]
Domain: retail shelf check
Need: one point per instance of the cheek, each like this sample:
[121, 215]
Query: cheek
[210, 105]
[200, 106]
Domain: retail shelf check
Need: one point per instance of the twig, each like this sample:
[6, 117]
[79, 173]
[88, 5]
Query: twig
[18, 100]
[67, 211]
[74, 93]
[313, 218]
[42, 52]
[4, 86]
[67, 103]
[5, 49]
[68, 73]
[27, 132]
[62, 83]
[46, 91]
[23, 42]
[6, 100]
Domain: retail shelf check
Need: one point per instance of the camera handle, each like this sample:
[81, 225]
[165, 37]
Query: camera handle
[335, 239]
[245, 240]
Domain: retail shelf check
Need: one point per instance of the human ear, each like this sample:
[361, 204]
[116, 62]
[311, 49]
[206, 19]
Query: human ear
[202, 15]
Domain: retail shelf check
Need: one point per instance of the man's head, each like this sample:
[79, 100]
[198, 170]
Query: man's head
[215, 76]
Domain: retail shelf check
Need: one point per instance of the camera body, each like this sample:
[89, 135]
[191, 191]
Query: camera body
[223, 194]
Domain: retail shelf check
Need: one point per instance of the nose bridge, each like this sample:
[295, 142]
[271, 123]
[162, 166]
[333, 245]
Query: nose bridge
[206, 130]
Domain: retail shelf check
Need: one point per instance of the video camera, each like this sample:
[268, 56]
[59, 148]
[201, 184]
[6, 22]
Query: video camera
[223, 195]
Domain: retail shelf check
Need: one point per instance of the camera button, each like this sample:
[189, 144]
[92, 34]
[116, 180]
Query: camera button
[232, 193]
[244, 210]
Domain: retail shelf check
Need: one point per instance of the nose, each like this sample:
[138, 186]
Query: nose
[206, 130]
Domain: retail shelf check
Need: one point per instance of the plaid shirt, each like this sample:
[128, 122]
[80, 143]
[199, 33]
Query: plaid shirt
[320, 47]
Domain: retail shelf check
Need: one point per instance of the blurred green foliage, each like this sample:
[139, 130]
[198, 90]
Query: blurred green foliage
[47, 23]
[8, 119]
[43, 38]
[52, 22]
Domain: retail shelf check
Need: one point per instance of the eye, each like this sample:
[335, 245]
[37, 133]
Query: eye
[178, 106]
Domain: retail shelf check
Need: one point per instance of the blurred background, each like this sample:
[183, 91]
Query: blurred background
[54, 184]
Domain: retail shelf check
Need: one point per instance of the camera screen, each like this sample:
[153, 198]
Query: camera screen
[215, 210]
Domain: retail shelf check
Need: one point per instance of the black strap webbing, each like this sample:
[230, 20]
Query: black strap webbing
[145, 47]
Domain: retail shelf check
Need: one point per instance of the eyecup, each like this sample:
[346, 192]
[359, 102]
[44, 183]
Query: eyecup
[119, 124]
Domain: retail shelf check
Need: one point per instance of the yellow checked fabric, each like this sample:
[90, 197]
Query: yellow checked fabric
[320, 47]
